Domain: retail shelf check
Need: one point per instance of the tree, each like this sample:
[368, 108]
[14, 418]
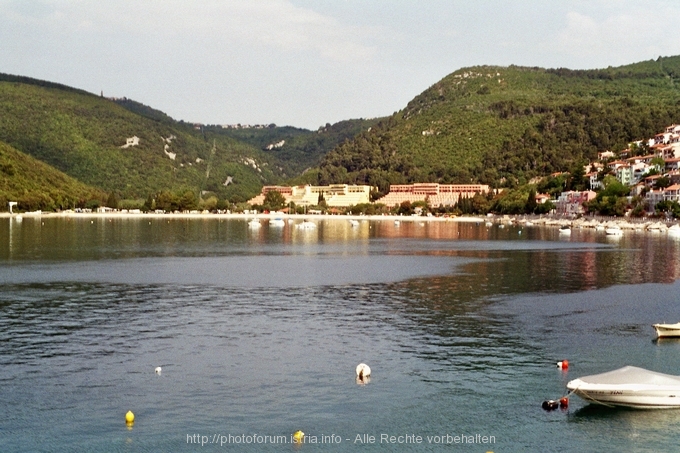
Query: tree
[188, 201]
[112, 202]
[577, 181]
[658, 163]
[273, 201]
[662, 182]
[405, 208]
[531, 202]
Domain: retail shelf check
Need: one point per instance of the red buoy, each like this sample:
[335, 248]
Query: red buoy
[564, 402]
[563, 365]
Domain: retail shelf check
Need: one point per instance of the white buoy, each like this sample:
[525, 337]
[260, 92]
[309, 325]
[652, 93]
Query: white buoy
[158, 370]
[363, 370]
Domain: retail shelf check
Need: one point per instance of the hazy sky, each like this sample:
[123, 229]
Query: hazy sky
[308, 62]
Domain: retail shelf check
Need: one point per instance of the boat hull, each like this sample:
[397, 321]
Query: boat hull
[630, 387]
[643, 399]
[667, 330]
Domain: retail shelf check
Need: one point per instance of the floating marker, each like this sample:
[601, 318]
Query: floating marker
[297, 436]
[158, 370]
[550, 405]
[363, 370]
[563, 365]
[129, 417]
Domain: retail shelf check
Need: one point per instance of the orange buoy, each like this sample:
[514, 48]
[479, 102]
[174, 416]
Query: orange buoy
[564, 402]
[563, 365]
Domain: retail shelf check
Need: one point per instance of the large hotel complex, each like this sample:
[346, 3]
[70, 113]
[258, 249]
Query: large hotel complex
[344, 195]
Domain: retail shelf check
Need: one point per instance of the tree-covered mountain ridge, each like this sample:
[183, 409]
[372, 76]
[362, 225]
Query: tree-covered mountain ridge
[504, 126]
[133, 151]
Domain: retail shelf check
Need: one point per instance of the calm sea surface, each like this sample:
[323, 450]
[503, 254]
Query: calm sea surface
[258, 333]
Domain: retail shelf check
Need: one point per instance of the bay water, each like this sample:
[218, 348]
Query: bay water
[258, 333]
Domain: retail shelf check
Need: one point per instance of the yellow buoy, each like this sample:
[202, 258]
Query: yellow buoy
[297, 436]
[129, 417]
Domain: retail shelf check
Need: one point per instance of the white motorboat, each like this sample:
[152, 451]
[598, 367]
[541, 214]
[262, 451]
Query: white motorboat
[306, 225]
[254, 223]
[631, 387]
[667, 330]
[614, 230]
[278, 222]
[674, 230]
[565, 229]
[354, 223]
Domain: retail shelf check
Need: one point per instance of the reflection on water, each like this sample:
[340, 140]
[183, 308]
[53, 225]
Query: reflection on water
[261, 331]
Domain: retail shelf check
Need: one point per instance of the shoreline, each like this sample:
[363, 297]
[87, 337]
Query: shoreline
[636, 224]
[199, 215]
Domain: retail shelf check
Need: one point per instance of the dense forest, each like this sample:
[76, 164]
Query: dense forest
[504, 126]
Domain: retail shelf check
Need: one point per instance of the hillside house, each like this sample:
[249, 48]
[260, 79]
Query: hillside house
[571, 202]
[604, 155]
[650, 181]
[624, 173]
[593, 182]
[434, 193]
[673, 129]
[672, 164]
[672, 193]
[336, 195]
[541, 198]
[652, 198]
[662, 138]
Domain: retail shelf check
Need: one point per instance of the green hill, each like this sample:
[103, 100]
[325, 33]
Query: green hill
[37, 186]
[83, 135]
[505, 125]
[298, 149]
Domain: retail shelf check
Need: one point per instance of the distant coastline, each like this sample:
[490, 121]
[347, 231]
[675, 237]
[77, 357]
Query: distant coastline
[631, 224]
[273, 215]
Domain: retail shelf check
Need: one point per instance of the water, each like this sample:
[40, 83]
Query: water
[258, 334]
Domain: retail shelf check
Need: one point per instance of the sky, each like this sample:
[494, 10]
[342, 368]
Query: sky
[306, 63]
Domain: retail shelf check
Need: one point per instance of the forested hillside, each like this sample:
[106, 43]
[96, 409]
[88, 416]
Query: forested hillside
[35, 185]
[85, 135]
[505, 125]
[299, 149]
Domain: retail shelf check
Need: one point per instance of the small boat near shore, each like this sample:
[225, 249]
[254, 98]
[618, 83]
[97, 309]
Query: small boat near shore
[613, 230]
[667, 330]
[630, 387]
[566, 230]
[306, 225]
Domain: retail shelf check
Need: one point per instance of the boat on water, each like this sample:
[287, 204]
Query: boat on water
[354, 222]
[254, 223]
[674, 229]
[278, 222]
[630, 387]
[565, 229]
[667, 330]
[306, 225]
[613, 231]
